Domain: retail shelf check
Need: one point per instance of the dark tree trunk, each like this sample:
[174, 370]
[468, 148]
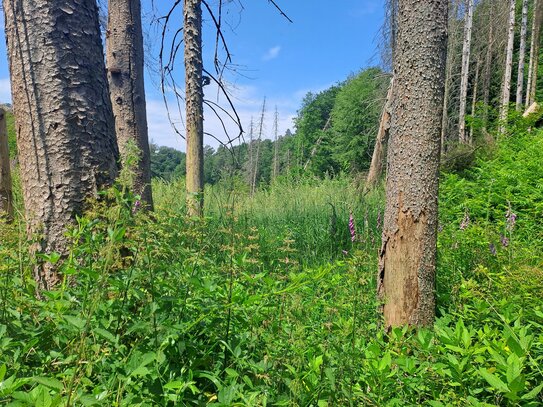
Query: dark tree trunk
[65, 128]
[124, 46]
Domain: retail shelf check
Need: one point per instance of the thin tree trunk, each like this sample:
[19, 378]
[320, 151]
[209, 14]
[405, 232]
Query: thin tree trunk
[6, 195]
[448, 78]
[474, 99]
[250, 160]
[318, 142]
[257, 157]
[522, 55]
[464, 76]
[194, 99]
[125, 59]
[406, 280]
[534, 54]
[506, 84]
[488, 72]
[64, 120]
[276, 144]
[379, 151]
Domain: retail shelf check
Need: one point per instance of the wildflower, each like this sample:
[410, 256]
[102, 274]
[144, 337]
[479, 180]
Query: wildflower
[504, 241]
[137, 206]
[511, 219]
[465, 222]
[492, 249]
[352, 229]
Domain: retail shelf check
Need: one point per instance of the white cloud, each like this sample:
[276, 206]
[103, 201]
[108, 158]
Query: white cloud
[272, 53]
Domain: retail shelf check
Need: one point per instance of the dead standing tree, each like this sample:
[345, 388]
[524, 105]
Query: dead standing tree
[196, 77]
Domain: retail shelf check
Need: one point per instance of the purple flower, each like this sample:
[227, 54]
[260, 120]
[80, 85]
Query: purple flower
[492, 249]
[137, 206]
[504, 241]
[352, 229]
[465, 222]
[511, 219]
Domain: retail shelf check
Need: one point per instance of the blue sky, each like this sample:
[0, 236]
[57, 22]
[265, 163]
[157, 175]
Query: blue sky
[282, 61]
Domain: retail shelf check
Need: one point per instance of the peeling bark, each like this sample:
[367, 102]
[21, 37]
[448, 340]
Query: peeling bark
[506, 84]
[464, 75]
[63, 116]
[379, 151]
[6, 195]
[406, 280]
[522, 55]
[194, 100]
[124, 46]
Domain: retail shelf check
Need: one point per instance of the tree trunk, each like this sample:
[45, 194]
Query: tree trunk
[257, 156]
[63, 115]
[534, 54]
[276, 145]
[474, 98]
[506, 84]
[194, 99]
[6, 195]
[448, 77]
[379, 151]
[488, 72]
[522, 55]
[406, 281]
[124, 46]
[464, 76]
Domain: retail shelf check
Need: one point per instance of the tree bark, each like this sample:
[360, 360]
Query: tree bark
[275, 172]
[534, 54]
[6, 195]
[406, 280]
[379, 151]
[64, 121]
[194, 99]
[506, 84]
[488, 71]
[125, 59]
[464, 76]
[522, 55]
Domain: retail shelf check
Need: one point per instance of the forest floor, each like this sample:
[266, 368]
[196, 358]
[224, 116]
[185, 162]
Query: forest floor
[269, 300]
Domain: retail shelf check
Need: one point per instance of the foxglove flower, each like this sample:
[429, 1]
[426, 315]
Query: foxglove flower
[492, 249]
[137, 206]
[504, 241]
[511, 219]
[352, 229]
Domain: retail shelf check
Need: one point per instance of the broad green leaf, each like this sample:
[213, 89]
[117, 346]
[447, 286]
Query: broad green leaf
[494, 381]
[50, 382]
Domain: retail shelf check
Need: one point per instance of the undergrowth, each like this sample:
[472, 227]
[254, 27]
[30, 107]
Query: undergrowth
[271, 301]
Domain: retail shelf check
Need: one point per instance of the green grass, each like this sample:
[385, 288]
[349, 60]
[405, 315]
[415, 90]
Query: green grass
[267, 301]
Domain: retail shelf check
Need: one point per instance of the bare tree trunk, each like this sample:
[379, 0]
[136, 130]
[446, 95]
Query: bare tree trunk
[522, 55]
[474, 98]
[406, 280]
[379, 151]
[125, 58]
[65, 126]
[250, 160]
[464, 76]
[534, 54]
[488, 72]
[448, 77]
[194, 99]
[6, 195]
[506, 84]
[276, 144]
[257, 156]
[318, 142]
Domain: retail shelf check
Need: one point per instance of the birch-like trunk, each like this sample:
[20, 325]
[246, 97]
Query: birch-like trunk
[194, 100]
[6, 195]
[506, 83]
[259, 141]
[534, 54]
[522, 55]
[64, 121]
[406, 280]
[464, 75]
[379, 151]
[487, 75]
[125, 59]
[474, 98]
[275, 172]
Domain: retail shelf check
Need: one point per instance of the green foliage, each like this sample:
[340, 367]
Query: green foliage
[167, 163]
[267, 301]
